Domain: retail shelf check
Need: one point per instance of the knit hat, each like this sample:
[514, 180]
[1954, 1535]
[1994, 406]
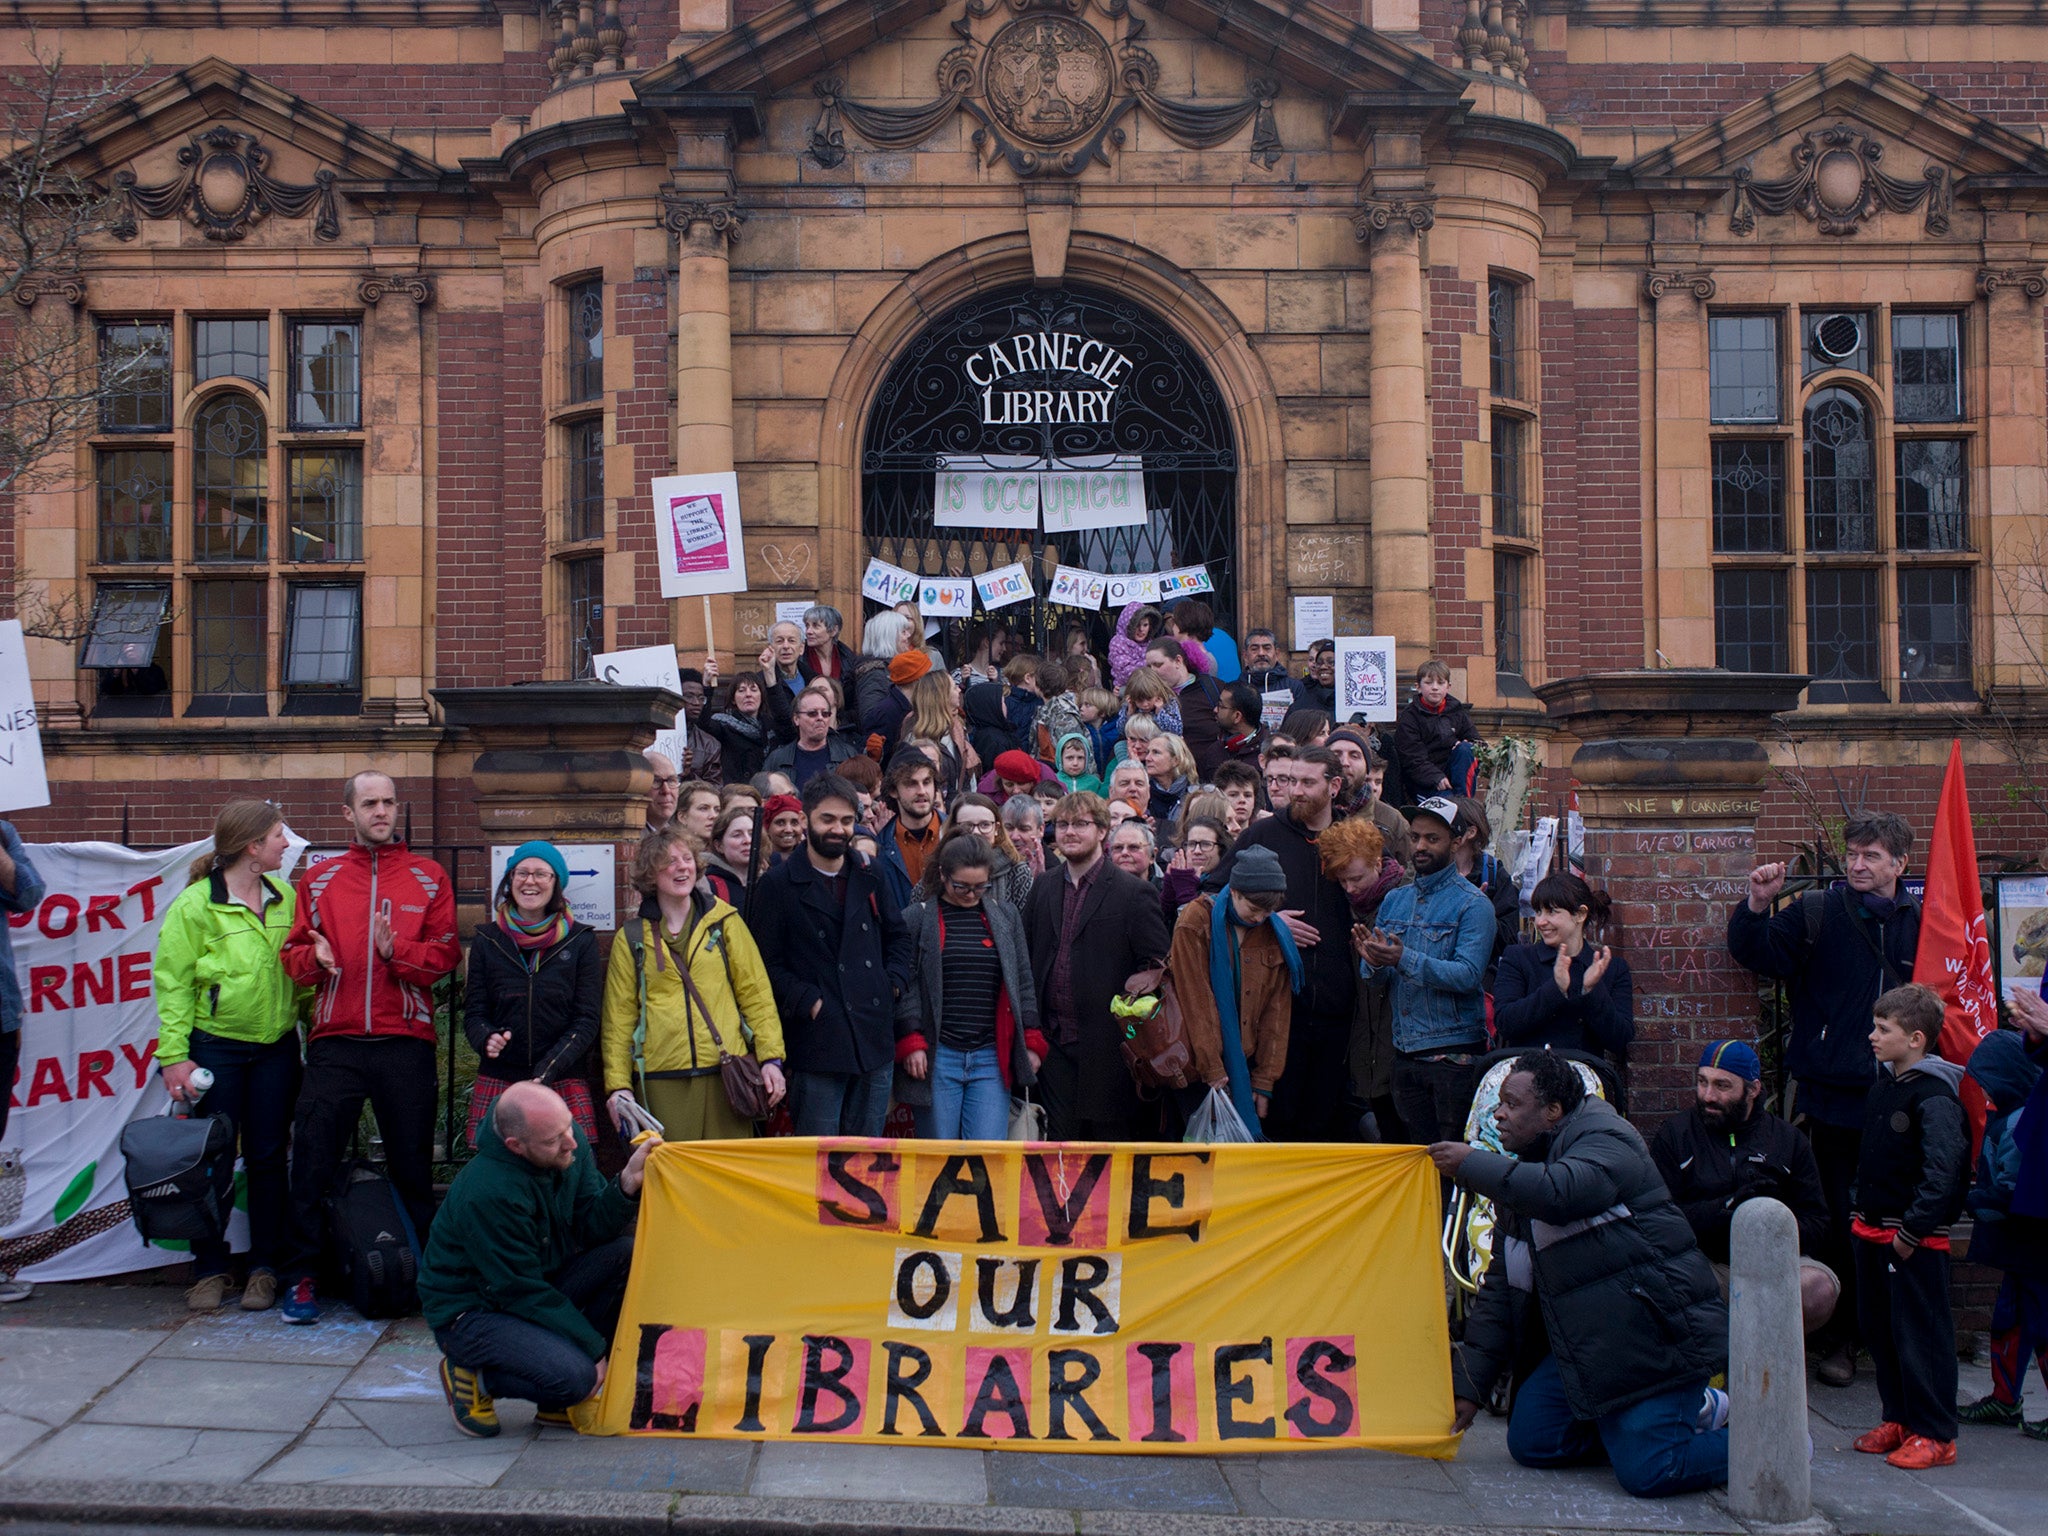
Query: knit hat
[548, 854]
[909, 667]
[1257, 872]
[777, 804]
[1017, 767]
[1732, 1056]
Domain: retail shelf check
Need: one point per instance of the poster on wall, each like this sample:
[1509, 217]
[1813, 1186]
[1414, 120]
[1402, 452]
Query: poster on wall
[946, 597]
[1365, 677]
[1315, 618]
[987, 491]
[88, 1060]
[593, 880]
[1004, 585]
[2022, 933]
[698, 542]
[23, 784]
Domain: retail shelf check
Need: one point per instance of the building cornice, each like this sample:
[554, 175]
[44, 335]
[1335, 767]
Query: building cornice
[257, 13]
[1802, 13]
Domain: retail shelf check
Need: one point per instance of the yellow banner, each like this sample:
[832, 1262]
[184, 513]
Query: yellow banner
[1063, 1297]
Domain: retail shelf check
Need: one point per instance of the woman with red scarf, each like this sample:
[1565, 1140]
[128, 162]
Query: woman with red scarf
[535, 985]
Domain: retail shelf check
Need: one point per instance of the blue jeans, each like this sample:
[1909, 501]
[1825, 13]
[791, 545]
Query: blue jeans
[840, 1103]
[255, 1086]
[519, 1359]
[1652, 1444]
[969, 1100]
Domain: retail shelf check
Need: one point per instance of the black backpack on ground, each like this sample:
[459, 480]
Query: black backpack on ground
[376, 1250]
[181, 1176]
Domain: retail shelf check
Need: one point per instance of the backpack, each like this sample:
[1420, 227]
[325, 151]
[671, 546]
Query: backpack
[1813, 908]
[375, 1247]
[181, 1176]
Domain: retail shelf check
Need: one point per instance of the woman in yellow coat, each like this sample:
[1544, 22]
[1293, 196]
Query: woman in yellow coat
[655, 1036]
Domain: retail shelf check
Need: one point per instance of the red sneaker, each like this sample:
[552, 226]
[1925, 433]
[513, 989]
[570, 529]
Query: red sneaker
[1885, 1438]
[1919, 1453]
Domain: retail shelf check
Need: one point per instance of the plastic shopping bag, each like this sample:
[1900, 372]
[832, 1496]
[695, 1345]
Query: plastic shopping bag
[1218, 1121]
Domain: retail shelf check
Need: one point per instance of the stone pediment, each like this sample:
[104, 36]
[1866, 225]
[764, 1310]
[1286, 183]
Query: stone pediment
[225, 149]
[1297, 42]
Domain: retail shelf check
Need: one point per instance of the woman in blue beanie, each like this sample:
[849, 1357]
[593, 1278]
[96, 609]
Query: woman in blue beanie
[535, 983]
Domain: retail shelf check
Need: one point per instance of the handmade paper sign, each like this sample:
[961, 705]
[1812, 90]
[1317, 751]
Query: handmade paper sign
[1004, 585]
[946, 597]
[1365, 677]
[697, 534]
[1185, 582]
[23, 784]
[651, 666]
[1077, 588]
[1103, 492]
[887, 584]
[992, 491]
[1315, 618]
[1131, 589]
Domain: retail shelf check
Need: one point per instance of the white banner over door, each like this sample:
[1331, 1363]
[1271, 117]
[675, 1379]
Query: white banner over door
[88, 1058]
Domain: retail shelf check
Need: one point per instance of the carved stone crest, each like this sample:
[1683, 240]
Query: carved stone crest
[225, 189]
[1835, 181]
[1047, 79]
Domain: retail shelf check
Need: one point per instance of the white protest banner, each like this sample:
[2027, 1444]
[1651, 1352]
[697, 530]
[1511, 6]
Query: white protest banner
[88, 1063]
[1100, 492]
[793, 613]
[593, 880]
[1315, 618]
[1130, 589]
[1004, 585]
[697, 538]
[1077, 588]
[946, 597]
[650, 666]
[1185, 582]
[987, 491]
[23, 784]
[1365, 678]
[887, 584]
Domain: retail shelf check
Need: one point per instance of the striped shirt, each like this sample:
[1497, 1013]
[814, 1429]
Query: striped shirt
[970, 979]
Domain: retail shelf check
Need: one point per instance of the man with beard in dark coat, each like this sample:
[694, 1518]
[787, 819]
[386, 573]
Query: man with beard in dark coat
[1597, 1298]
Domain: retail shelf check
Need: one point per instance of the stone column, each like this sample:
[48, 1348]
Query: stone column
[398, 547]
[1670, 772]
[1391, 220]
[1678, 534]
[705, 221]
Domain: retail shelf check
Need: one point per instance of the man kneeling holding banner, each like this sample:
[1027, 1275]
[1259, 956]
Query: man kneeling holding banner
[527, 1263]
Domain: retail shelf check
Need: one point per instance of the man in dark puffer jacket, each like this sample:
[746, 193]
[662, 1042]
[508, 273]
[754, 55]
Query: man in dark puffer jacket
[1597, 1297]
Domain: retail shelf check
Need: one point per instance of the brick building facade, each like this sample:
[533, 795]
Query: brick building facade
[1554, 339]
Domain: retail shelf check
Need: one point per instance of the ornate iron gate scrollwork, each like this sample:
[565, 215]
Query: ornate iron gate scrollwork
[1167, 410]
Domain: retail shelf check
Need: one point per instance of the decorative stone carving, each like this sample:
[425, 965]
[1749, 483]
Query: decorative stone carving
[1835, 181]
[1044, 92]
[720, 214]
[225, 191]
[1376, 216]
[416, 286]
[590, 39]
[2031, 281]
[70, 289]
[1658, 283]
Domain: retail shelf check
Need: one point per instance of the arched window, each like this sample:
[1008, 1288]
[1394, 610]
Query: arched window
[1841, 474]
[230, 475]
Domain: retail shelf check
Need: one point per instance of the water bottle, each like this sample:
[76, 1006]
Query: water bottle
[196, 1087]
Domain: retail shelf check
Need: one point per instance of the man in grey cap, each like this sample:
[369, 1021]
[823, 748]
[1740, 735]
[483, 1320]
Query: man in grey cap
[1432, 940]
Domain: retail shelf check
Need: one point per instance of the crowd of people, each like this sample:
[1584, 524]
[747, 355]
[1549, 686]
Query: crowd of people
[873, 879]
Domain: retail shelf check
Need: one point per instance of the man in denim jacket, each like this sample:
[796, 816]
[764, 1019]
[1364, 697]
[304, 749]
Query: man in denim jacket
[21, 889]
[1432, 942]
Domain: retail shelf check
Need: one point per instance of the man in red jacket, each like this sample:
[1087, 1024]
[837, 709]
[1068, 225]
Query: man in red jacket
[375, 930]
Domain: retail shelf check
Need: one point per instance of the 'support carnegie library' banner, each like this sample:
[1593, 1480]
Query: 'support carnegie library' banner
[88, 1057]
[1058, 1297]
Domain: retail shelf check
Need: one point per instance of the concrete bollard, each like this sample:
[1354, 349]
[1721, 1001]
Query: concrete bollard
[1770, 1481]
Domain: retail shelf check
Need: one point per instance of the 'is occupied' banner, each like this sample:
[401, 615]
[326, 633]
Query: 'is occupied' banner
[1074, 1297]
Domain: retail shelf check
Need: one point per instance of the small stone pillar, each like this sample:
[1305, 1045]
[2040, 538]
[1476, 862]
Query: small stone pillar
[1670, 770]
[1769, 1479]
[560, 761]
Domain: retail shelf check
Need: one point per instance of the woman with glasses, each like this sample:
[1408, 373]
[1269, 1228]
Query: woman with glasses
[970, 1035]
[535, 981]
[1012, 876]
[1203, 842]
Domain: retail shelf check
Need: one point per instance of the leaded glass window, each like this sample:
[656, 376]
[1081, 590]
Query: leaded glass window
[135, 376]
[1742, 367]
[586, 342]
[1841, 474]
[231, 349]
[1933, 509]
[1752, 615]
[586, 479]
[586, 612]
[227, 638]
[230, 476]
[1502, 296]
[326, 506]
[1508, 435]
[1749, 496]
[1927, 367]
[1510, 595]
[327, 384]
[1934, 625]
[134, 486]
[322, 638]
[1841, 626]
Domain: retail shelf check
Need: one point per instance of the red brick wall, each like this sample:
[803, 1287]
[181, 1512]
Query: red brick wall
[1691, 94]
[1605, 499]
[487, 547]
[1454, 422]
[644, 426]
[161, 814]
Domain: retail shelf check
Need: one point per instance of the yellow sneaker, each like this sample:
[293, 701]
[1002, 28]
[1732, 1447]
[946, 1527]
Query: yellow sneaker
[475, 1414]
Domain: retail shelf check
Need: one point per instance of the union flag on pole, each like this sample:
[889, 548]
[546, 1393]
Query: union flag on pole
[1954, 956]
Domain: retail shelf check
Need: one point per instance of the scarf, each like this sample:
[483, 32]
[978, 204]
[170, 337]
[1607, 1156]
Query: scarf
[747, 727]
[1226, 982]
[549, 929]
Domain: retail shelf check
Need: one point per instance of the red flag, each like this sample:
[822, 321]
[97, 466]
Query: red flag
[1955, 946]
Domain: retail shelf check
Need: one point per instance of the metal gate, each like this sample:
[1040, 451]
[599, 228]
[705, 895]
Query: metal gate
[1167, 411]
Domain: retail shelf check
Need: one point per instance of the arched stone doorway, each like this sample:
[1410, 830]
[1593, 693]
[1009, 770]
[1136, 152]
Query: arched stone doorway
[1078, 380]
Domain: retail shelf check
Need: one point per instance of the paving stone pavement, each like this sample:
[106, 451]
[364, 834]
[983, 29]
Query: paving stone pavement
[112, 1387]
